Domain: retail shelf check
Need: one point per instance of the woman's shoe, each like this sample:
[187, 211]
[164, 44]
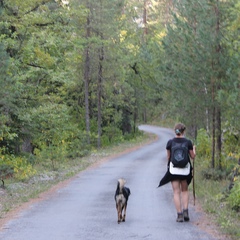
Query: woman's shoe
[185, 215]
[179, 217]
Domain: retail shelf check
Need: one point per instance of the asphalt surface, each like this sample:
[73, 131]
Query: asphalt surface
[85, 208]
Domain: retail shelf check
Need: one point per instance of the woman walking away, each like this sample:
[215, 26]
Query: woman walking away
[179, 173]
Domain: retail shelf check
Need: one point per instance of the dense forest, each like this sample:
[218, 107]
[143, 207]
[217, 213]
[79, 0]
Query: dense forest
[82, 74]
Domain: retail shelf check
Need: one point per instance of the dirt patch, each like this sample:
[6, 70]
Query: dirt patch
[206, 223]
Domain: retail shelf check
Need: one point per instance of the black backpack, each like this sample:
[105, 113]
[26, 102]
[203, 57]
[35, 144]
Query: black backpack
[179, 154]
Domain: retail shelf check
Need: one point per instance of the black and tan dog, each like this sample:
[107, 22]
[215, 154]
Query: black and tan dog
[121, 197]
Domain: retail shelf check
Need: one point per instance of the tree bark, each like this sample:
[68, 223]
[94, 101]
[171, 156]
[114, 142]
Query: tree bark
[213, 124]
[99, 93]
[219, 137]
[145, 18]
[218, 87]
[86, 82]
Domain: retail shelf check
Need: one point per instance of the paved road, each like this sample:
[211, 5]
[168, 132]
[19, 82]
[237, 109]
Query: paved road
[85, 208]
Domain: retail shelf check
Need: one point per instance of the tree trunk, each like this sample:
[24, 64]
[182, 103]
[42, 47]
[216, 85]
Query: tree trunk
[219, 137]
[145, 18]
[99, 93]
[213, 125]
[86, 82]
[145, 32]
[218, 87]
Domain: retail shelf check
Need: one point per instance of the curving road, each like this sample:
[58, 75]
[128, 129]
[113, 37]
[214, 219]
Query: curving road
[85, 208]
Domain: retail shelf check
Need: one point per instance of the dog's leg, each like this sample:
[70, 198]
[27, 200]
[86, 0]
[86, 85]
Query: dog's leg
[117, 211]
[125, 210]
[119, 208]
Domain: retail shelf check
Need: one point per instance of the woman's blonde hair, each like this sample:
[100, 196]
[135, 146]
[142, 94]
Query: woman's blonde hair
[179, 128]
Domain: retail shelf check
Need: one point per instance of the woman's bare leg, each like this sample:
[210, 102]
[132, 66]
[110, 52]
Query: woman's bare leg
[177, 195]
[185, 199]
[185, 194]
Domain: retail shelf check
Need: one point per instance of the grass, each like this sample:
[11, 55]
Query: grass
[212, 196]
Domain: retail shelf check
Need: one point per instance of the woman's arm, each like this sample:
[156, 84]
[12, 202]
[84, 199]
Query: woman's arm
[192, 153]
[168, 155]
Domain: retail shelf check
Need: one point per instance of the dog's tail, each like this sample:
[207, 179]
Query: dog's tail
[121, 183]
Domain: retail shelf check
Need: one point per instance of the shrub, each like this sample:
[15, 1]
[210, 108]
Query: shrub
[78, 148]
[51, 155]
[20, 165]
[234, 196]
[231, 141]
[203, 144]
[22, 169]
[113, 133]
[214, 174]
[6, 171]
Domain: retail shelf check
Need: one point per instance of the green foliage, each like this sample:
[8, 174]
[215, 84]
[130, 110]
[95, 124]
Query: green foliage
[6, 171]
[231, 141]
[78, 147]
[17, 167]
[113, 135]
[22, 169]
[214, 174]
[203, 144]
[50, 123]
[51, 156]
[234, 196]
[213, 197]
[77, 144]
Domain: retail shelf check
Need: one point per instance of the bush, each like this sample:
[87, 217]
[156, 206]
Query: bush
[6, 171]
[231, 141]
[234, 196]
[203, 144]
[78, 148]
[113, 134]
[214, 174]
[20, 166]
[51, 155]
[22, 169]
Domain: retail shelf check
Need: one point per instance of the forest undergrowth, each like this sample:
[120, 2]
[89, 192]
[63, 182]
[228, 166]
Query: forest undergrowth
[212, 194]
